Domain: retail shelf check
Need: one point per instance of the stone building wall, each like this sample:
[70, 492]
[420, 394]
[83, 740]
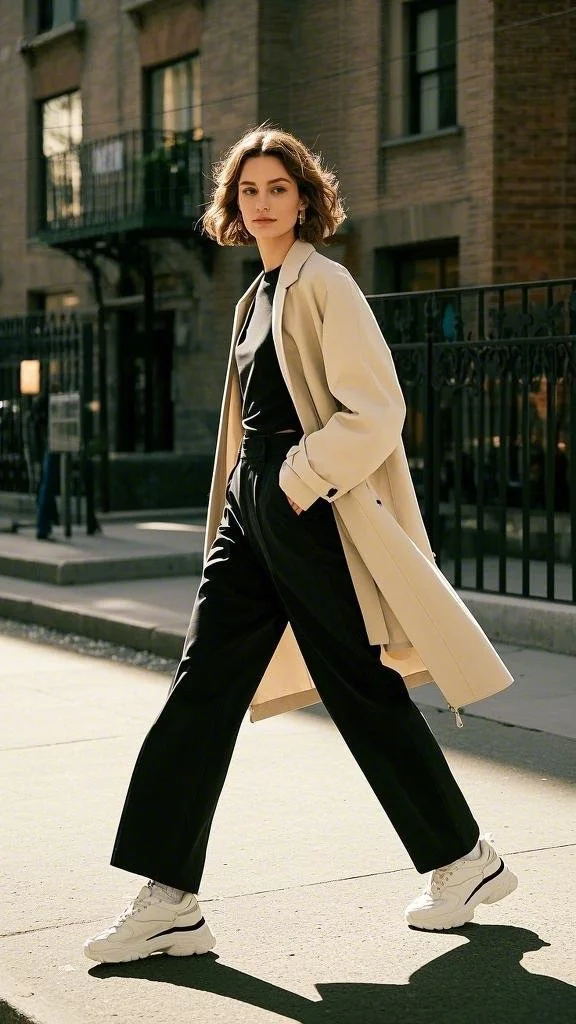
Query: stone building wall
[334, 72]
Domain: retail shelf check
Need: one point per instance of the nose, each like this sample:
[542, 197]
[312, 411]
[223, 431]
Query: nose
[262, 205]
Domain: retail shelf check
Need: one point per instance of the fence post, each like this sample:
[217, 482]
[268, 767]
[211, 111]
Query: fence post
[101, 339]
[430, 435]
[87, 432]
[66, 493]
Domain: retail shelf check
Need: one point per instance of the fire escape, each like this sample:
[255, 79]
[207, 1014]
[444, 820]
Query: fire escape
[108, 199]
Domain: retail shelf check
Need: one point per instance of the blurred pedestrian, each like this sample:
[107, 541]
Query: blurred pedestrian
[318, 578]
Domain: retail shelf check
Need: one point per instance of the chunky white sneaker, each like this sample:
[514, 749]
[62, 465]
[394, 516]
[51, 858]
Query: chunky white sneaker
[152, 925]
[454, 892]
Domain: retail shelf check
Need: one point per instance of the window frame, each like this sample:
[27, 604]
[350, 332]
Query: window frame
[42, 25]
[44, 158]
[444, 69]
[389, 262]
[195, 132]
[438, 251]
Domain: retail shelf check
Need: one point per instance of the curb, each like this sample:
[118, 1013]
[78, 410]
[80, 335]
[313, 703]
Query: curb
[546, 625]
[159, 640]
[524, 622]
[103, 570]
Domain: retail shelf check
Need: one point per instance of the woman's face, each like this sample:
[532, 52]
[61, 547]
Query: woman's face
[268, 198]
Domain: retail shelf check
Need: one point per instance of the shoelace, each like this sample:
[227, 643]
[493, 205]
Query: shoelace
[141, 901]
[440, 876]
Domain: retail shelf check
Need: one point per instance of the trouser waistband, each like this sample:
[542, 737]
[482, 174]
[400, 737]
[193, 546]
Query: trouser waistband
[262, 446]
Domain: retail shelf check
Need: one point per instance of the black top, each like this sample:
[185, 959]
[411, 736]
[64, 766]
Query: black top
[267, 407]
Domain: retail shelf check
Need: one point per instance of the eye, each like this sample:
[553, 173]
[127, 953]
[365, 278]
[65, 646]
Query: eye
[279, 188]
[248, 190]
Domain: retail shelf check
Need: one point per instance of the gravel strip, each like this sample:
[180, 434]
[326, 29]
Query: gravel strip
[84, 645]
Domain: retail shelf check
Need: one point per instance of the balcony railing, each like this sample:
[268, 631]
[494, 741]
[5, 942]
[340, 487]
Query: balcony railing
[489, 376]
[140, 181]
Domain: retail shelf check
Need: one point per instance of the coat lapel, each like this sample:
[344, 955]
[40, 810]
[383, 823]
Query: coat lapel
[291, 267]
[230, 427]
[241, 311]
[232, 402]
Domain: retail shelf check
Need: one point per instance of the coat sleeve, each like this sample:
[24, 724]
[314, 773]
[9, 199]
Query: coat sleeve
[361, 376]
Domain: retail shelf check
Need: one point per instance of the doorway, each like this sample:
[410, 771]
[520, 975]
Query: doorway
[133, 433]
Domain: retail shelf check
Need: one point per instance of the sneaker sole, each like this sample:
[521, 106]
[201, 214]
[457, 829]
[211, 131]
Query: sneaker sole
[497, 890]
[196, 944]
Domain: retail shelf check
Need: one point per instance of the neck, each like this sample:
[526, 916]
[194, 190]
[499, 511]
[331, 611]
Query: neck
[273, 251]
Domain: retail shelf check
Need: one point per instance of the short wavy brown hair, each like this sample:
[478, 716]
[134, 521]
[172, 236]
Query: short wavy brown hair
[316, 184]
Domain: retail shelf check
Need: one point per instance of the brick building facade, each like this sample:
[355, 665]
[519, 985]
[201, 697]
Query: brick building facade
[450, 125]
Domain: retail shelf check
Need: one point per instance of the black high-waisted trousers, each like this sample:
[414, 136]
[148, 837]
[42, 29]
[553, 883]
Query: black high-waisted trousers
[269, 566]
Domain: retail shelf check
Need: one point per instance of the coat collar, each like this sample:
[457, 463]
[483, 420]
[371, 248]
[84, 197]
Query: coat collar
[294, 260]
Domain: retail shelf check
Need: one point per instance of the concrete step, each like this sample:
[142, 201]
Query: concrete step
[123, 551]
[75, 571]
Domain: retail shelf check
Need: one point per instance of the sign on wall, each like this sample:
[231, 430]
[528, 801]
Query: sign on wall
[64, 422]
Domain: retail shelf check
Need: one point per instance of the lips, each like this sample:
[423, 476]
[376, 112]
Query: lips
[264, 220]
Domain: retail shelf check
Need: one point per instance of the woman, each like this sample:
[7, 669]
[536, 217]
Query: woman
[315, 555]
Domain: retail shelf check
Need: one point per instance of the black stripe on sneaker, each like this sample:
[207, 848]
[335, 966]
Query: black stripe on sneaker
[486, 880]
[184, 928]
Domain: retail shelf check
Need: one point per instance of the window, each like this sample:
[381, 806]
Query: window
[426, 268]
[417, 268]
[432, 66]
[52, 13]
[61, 123]
[61, 128]
[174, 104]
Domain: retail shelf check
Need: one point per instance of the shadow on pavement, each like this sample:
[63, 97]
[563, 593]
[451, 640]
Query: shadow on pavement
[481, 982]
[517, 746]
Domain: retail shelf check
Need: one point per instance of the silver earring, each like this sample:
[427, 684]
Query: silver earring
[301, 216]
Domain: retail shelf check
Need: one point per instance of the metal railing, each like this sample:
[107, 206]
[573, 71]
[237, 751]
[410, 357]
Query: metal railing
[63, 347]
[140, 179]
[489, 376]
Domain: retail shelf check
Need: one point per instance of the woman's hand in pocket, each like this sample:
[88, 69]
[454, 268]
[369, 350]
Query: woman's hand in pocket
[294, 506]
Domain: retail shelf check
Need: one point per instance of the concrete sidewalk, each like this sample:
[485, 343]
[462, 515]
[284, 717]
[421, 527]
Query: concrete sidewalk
[142, 548]
[128, 586]
[134, 584]
[306, 880]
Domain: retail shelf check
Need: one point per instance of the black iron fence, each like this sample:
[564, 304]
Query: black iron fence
[43, 356]
[139, 179]
[489, 375]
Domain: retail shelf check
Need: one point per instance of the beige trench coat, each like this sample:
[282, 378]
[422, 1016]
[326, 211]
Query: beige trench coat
[340, 374]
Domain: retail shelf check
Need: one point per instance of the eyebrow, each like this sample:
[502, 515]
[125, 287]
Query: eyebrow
[271, 182]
